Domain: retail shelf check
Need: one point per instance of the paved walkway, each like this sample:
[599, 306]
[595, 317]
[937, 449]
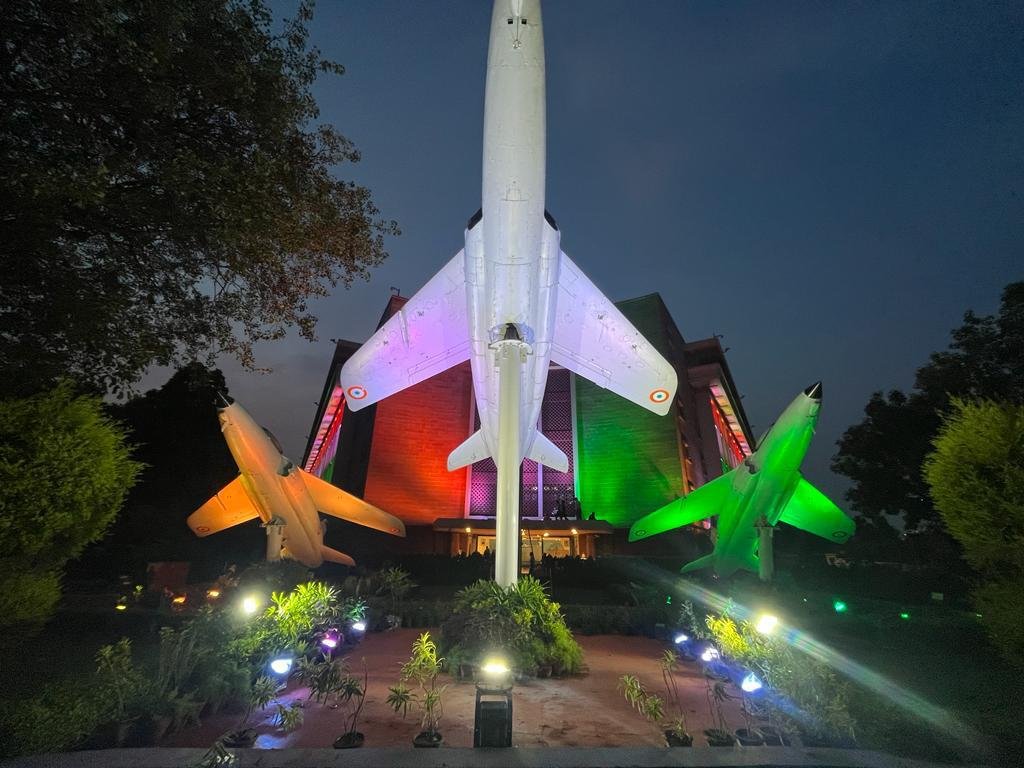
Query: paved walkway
[587, 710]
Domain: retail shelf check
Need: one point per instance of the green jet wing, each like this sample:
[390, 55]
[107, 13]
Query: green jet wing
[700, 504]
[811, 510]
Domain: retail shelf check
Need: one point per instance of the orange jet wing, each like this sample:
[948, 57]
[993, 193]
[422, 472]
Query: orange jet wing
[230, 506]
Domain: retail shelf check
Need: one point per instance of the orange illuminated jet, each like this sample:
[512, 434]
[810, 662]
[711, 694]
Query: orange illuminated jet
[274, 490]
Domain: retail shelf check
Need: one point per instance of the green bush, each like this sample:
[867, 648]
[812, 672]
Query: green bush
[811, 685]
[520, 622]
[616, 619]
[58, 718]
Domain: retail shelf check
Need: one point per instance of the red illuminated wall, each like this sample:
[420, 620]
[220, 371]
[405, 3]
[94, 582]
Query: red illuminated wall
[413, 433]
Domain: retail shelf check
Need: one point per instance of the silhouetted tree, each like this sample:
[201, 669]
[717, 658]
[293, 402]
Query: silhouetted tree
[178, 436]
[167, 191]
[883, 454]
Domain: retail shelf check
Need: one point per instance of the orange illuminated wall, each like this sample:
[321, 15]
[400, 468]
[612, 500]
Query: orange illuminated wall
[413, 433]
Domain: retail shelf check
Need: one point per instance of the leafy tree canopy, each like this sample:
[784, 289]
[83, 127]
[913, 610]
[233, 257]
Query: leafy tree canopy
[167, 190]
[64, 473]
[883, 454]
[976, 476]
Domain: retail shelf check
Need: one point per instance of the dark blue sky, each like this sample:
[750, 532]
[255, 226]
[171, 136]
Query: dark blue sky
[828, 185]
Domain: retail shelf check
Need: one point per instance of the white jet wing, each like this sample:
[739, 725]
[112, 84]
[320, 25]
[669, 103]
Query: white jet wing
[593, 339]
[428, 335]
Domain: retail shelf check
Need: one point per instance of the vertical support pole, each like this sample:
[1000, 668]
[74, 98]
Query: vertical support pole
[765, 553]
[506, 556]
[275, 539]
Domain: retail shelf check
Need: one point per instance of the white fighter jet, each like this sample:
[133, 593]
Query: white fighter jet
[274, 490]
[511, 302]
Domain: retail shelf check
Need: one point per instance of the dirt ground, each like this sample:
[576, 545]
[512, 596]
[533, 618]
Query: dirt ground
[586, 710]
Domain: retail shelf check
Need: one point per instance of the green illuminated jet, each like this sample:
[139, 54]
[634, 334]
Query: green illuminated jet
[767, 485]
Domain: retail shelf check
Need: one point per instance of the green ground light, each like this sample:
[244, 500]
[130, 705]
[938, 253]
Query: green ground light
[839, 606]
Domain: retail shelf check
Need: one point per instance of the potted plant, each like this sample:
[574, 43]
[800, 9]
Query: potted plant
[719, 735]
[649, 706]
[122, 685]
[422, 668]
[350, 696]
[676, 734]
[749, 736]
[263, 691]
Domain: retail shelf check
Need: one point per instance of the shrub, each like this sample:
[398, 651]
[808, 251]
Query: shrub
[811, 685]
[58, 718]
[520, 622]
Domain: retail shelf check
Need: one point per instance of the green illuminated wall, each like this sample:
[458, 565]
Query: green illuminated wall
[629, 463]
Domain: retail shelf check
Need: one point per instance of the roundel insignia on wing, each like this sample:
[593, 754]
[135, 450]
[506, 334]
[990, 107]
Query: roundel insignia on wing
[202, 529]
[640, 532]
[659, 396]
[356, 393]
[839, 536]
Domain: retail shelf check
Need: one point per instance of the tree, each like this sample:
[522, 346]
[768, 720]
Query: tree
[177, 435]
[167, 190]
[883, 455]
[64, 473]
[976, 477]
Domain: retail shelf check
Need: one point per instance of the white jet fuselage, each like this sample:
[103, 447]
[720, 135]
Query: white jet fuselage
[511, 257]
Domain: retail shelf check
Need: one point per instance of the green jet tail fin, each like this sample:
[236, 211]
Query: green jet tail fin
[811, 510]
[701, 504]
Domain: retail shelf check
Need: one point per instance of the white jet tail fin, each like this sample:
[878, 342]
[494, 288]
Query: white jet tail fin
[472, 450]
[543, 451]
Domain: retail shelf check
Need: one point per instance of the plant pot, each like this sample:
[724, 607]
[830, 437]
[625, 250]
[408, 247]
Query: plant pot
[749, 737]
[425, 739]
[673, 739]
[719, 738]
[160, 725]
[243, 738]
[773, 737]
[123, 729]
[349, 740]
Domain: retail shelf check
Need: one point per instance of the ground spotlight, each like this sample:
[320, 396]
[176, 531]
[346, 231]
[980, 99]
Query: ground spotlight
[766, 624]
[121, 607]
[330, 639]
[681, 638]
[751, 683]
[359, 626]
[213, 594]
[281, 665]
[710, 654]
[839, 606]
[495, 668]
[904, 615]
[250, 605]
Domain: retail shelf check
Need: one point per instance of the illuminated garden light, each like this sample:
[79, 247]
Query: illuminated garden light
[359, 626]
[767, 624]
[839, 606]
[282, 665]
[121, 607]
[710, 654]
[904, 615]
[213, 593]
[495, 668]
[250, 605]
[179, 599]
[681, 638]
[330, 639]
[751, 683]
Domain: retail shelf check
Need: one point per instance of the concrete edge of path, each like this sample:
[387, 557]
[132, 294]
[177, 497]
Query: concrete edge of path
[533, 757]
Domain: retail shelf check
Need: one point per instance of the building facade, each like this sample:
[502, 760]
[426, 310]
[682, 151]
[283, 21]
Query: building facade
[624, 461]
